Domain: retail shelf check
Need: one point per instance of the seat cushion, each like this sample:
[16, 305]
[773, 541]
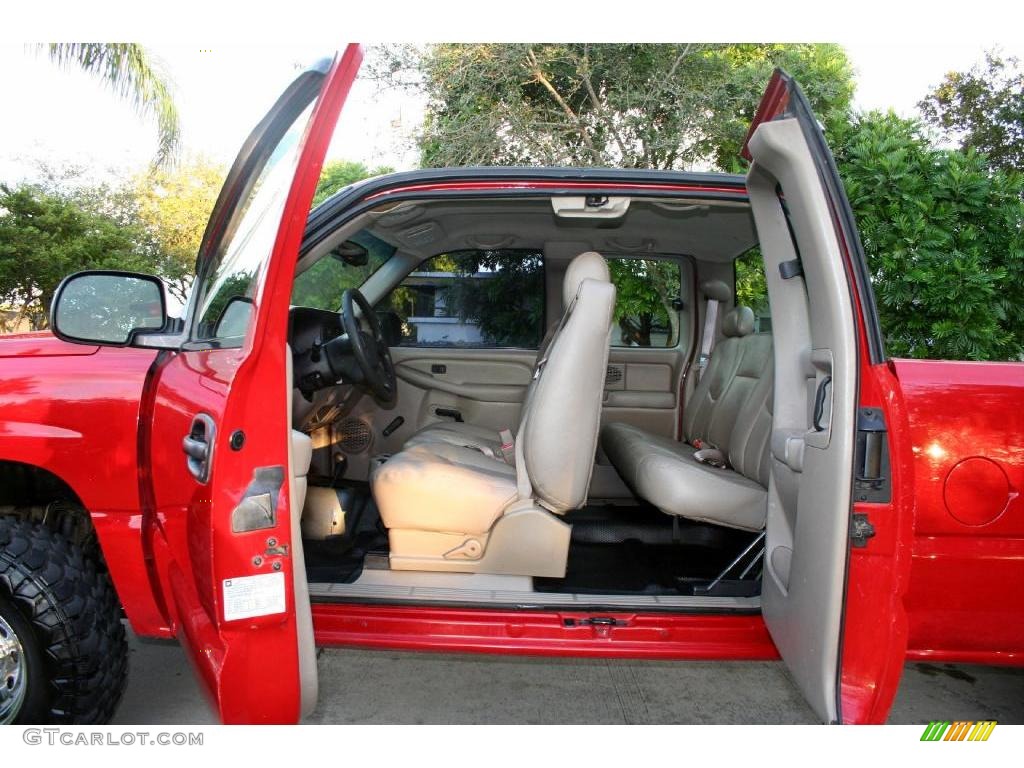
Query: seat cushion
[302, 453]
[443, 487]
[665, 473]
[457, 433]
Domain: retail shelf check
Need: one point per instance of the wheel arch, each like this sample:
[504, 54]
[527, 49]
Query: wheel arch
[24, 484]
[38, 494]
[31, 492]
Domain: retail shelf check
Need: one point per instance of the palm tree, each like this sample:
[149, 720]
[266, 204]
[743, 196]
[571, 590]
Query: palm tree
[134, 76]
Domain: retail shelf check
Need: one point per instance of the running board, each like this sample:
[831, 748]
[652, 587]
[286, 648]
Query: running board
[543, 633]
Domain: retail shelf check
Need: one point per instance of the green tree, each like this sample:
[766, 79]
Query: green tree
[174, 205]
[45, 235]
[619, 105]
[338, 174]
[645, 293]
[133, 75]
[751, 289]
[508, 306]
[983, 109]
[944, 240]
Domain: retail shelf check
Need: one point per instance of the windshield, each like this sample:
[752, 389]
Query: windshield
[321, 286]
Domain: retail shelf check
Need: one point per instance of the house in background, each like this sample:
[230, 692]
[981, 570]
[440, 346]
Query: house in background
[429, 318]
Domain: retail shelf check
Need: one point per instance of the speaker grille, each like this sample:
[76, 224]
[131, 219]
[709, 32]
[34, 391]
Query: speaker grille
[613, 375]
[353, 435]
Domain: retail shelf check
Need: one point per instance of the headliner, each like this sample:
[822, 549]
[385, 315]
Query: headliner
[712, 230]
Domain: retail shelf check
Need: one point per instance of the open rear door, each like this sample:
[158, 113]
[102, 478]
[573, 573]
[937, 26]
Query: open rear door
[223, 472]
[840, 498]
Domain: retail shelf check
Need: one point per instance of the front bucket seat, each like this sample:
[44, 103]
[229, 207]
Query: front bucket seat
[454, 507]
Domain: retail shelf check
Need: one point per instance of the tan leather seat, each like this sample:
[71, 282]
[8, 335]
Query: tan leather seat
[586, 266]
[730, 410]
[302, 457]
[452, 507]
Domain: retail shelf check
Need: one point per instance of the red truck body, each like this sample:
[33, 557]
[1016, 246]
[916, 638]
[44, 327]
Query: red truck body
[75, 412]
[942, 579]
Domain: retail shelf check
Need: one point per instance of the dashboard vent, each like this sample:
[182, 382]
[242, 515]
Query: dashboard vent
[352, 435]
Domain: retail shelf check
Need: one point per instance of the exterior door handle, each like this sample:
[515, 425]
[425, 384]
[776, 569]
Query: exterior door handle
[198, 446]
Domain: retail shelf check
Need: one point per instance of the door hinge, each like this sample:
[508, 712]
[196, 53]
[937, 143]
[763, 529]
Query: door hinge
[860, 530]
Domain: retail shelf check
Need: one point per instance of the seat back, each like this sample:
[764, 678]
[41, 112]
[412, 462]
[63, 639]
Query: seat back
[557, 437]
[714, 384]
[731, 407]
[750, 440]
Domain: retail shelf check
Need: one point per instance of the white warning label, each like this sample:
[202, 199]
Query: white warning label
[248, 596]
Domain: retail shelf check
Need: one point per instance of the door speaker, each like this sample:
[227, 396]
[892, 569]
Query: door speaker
[352, 435]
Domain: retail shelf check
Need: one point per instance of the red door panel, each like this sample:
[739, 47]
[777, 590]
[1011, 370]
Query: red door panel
[220, 423]
[875, 621]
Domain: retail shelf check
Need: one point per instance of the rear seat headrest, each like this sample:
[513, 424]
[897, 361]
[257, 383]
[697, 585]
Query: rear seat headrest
[739, 321]
[589, 265]
[717, 290]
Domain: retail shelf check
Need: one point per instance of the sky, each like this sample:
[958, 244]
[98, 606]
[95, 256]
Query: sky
[67, 118]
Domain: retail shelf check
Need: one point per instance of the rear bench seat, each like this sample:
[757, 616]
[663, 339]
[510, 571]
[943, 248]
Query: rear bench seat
[730, 410]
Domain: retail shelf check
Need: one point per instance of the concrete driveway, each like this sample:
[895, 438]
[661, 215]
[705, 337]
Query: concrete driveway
[359, 686]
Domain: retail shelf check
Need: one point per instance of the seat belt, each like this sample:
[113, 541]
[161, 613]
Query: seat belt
[509, 450]
[545, 353]
[508, 446]
[707, 343]
[711, 456]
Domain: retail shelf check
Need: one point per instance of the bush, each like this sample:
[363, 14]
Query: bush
[943, 239]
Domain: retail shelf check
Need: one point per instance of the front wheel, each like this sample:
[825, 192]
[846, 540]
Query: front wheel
[63, 650]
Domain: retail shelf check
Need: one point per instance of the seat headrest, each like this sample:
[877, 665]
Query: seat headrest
[738, 321]
[717, 290]
[589, 265]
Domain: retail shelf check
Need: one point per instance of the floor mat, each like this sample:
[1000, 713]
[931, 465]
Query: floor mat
[339, 559]
[634, 567]
[638, 549]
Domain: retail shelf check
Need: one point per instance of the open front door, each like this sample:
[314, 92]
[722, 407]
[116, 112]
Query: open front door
[223, 473]
[839, 517]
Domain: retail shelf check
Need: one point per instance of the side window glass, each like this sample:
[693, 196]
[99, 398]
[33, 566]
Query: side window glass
[751, 290]
[475, 298]
[233, 276]
[646, 302]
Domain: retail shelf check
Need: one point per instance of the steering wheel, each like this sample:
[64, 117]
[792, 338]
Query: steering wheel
[370, 350]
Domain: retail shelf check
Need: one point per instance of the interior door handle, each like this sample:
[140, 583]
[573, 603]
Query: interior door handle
[820, 397]
[198, 446]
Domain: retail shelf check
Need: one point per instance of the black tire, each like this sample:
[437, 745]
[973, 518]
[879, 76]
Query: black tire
[68, 620]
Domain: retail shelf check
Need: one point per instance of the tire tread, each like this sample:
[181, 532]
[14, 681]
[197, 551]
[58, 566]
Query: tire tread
[64, 591]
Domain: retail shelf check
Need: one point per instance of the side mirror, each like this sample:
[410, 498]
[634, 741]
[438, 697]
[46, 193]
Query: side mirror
[234, 318]
[352, 253]
[108, 307]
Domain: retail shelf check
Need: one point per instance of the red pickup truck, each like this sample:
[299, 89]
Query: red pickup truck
[437, 413]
